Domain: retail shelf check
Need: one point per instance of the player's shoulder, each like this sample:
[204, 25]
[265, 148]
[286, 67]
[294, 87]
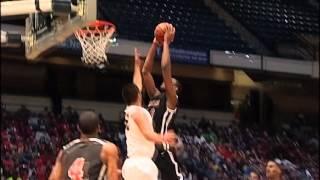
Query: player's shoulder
[75, 142]
[109, 145]
[110, 148]
[71, 144]
[133, 108]
[106, 145]
[144, 110]
[136, 109]
[98, 140]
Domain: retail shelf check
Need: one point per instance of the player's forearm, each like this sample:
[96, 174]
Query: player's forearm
[137, 78]
[154, 137]
[147, 67]
[165, 61]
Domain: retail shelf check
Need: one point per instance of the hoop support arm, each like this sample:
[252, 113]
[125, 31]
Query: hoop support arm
[11, 39]
[23, 7]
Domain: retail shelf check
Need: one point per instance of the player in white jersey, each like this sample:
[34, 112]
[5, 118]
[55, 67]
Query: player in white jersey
[140, 135]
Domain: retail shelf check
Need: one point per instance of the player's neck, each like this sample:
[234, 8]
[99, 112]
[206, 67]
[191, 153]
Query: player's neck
[136, 104]
[87, 136]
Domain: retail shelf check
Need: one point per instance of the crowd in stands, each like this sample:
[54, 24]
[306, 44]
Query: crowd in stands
[31, 141]
[231, 153]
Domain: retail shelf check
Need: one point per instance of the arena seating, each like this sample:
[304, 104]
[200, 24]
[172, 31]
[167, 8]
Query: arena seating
[31, 140]
[197, 27]
[275, 21]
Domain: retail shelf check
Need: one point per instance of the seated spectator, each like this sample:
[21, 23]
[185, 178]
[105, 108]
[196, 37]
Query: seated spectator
[209, 152]
[33, 121]
[254, 176]
[274, 170]
[42, 136]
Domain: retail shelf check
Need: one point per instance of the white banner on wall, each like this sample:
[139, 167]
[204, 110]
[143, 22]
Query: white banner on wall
[315, 69]
[287, 65]
[236, 60]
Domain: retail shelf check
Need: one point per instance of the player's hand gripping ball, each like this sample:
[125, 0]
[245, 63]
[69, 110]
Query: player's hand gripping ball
[160, 30]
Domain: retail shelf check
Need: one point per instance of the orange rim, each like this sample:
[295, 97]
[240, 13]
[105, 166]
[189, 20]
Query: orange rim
[94, 27]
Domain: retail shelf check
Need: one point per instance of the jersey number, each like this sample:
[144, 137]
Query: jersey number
[75, 172]
[126, 122]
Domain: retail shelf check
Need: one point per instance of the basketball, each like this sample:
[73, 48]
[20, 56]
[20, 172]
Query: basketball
[160, 30]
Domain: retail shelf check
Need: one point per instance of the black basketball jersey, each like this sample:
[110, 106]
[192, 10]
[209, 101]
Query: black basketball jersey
[162, 116]
[83, 157]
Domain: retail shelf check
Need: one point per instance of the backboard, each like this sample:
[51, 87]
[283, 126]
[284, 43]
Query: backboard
[45, 30]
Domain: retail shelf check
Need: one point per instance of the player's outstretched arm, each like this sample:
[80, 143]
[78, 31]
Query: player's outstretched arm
[148, 80]
[110, 156]
[166, 68]
[148, 133]
[138, 63]
[56, 172]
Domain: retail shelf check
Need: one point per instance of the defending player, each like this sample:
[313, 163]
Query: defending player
[140, 135]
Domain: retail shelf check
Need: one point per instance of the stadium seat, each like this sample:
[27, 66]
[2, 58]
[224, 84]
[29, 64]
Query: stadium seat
[197, 27]
[284, 17]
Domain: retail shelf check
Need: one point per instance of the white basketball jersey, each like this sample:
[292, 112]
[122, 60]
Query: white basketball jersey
[137, 144]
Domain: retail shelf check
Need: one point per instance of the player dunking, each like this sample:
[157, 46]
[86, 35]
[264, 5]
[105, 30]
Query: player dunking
[88, 157]
[140, 135]
[163, 105]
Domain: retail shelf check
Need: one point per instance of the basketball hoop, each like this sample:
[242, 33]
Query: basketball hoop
[95, 42]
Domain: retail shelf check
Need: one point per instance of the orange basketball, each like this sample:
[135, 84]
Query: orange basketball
[160, 30]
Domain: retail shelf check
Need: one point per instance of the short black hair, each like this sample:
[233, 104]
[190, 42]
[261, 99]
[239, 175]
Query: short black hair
[130, 93]
[88, 122]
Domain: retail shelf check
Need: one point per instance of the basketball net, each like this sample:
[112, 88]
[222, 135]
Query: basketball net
[95, 42]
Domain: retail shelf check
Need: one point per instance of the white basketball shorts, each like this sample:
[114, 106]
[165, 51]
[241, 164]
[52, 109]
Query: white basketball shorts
[139, 168]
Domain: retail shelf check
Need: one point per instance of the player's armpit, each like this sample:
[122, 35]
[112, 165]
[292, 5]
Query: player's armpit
[110, 156]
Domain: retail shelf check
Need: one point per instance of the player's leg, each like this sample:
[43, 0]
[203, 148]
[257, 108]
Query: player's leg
[168, 166]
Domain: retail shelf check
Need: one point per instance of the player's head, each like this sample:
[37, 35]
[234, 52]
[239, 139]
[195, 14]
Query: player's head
[175, 83]
[88, 123]
[273, 170]
[131, 94]
[254, 176]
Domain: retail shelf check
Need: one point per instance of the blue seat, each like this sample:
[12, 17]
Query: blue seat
[282, 15]
[196, 25]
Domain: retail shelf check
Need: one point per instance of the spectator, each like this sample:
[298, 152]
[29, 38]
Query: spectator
[42, 136]
[33, 121]
[254, 176]
[274, 170]
[209, 151]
